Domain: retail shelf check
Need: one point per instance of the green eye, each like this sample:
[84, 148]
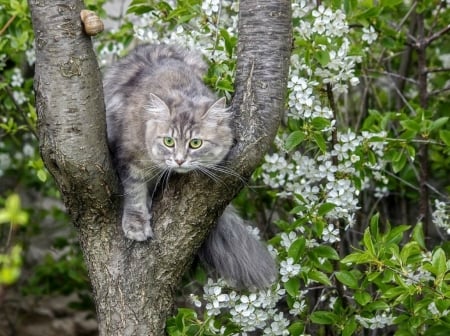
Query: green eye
[195, 143]
[168, 141]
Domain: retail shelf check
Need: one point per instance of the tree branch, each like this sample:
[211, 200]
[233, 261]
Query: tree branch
[134, 283]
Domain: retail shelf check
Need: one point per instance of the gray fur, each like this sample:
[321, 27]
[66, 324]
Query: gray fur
[161, 118]
[237, 255]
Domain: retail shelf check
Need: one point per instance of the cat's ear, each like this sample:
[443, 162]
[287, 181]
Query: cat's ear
[218, 110]
[157, 107]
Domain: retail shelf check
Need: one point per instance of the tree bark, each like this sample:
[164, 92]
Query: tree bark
[134, 283]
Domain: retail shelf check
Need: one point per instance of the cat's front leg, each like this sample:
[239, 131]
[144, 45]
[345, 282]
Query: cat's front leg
[136, 217]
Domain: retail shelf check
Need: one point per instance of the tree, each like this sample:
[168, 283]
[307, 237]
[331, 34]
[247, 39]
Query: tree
[134, 283]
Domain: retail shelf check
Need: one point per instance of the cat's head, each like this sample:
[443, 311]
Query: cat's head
[186, 135]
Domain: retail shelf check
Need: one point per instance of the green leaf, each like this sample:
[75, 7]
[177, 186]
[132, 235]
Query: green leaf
[377, 306]
[396, 234]
[319, 277]
[225, 85]
[445, 136]
[12, 213]
[374, 225]
[325, 251]
[390, 3]
[438, 123]
[410, 249]
[399, 161]
[230, 41]
[10, 265]
[347, 278]
[292, 286]
[297, 249]
[320, 141]
[411, 125]
[357, 258]
[438, 330]
[368, 243]
[393, 292]
[369, 13]
[42, 175]
[438, 261]
[296, 329]
[323, 57]
[139, 7]
[294, 139]
[349, 327]
[325, 208]
[320, 123]
[362, 298]
[324, 317]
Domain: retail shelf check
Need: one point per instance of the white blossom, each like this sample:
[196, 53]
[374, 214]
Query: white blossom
[378, 321]
[441, 216]
[288, 269]
[330, 234]
[19, 97]
[278, 326]
[16, 78]
[5, 161]
[211, 7]
[369, 35]
[287, 239]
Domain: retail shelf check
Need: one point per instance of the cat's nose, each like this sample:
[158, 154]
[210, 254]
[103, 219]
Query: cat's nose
[179, 161]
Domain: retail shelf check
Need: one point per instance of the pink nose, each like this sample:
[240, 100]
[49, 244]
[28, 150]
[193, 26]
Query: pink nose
[179, 161]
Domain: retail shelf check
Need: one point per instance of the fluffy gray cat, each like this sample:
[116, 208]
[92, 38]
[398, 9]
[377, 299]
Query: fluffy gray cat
[161, 118]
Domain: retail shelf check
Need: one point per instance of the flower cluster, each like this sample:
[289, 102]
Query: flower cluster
[320, 179]
[433, 309]
[255, 311]
[441, 216]
[288, 269]
[200, 33]
[8, 161]
[378, 321]
[336, 65]
[211, 7]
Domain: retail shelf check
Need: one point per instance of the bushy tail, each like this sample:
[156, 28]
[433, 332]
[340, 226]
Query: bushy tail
[237, 255]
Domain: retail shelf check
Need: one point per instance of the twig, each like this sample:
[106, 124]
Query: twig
[443, 69]
[424, 169]
[393, 74]
[437, 35]
[7, 24]
[437, 92]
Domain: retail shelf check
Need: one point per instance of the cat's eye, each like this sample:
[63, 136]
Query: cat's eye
[169, 141]
[195, 143]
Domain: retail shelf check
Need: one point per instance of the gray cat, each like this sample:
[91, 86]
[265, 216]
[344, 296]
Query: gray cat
[161, 118]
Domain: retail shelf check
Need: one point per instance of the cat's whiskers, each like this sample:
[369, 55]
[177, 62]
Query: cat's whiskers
[209, 173]
[166, 175]
[225, 170]
[150, 173]
[215, 172]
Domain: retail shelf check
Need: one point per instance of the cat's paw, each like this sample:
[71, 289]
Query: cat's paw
[136, 225]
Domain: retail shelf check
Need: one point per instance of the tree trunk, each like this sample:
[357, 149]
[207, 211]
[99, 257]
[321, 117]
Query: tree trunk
[133, 282]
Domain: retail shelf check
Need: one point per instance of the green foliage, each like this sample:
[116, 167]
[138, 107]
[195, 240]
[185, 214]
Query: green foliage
[343, 186]
[64, 274]
[11, 261]
[10, 265]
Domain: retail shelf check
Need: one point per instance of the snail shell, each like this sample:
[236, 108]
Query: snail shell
[92, 23]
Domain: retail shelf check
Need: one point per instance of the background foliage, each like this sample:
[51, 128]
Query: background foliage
[353, 198]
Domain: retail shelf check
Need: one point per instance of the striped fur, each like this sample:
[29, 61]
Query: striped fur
[161, 119]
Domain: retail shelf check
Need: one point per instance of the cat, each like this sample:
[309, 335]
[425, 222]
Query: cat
[162, 118]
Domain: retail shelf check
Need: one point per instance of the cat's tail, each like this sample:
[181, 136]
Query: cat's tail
[237, 255]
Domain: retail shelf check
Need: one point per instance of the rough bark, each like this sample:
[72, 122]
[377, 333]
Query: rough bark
[134, 283]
